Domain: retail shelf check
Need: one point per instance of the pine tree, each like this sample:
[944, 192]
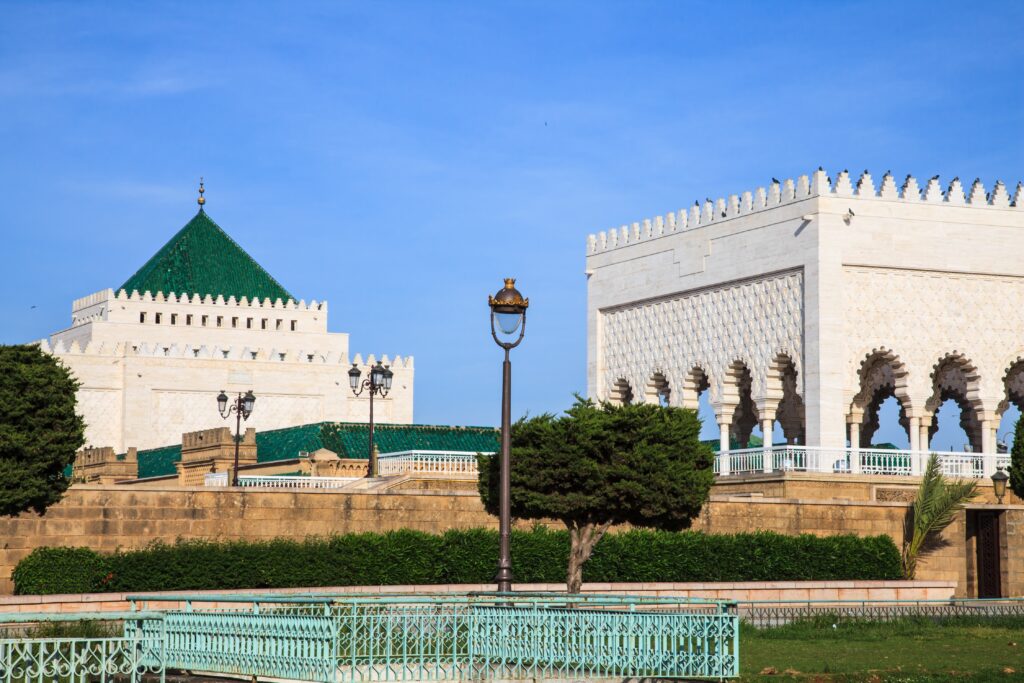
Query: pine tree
[1017, 459]
[39, 429]
[602, 465]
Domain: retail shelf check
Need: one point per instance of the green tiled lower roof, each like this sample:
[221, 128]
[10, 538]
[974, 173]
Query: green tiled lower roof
[347, 439]
[202, 259]
[352, 440]
[282, 444]
[158, 462]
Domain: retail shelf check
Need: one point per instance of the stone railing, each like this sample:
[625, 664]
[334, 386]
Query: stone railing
[459, 463]
[280, 482]
[856, 461]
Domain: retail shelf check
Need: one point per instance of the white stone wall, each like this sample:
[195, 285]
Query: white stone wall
[145, 383]
[912, 288]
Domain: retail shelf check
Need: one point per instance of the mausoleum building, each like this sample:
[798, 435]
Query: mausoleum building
[811, 302]
[201, 316]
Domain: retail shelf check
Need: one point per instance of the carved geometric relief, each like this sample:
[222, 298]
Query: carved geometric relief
[752, 321]
[924, 317]
[101, 410]
[177, 412]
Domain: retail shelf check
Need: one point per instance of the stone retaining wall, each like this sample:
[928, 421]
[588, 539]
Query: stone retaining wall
[110, 517]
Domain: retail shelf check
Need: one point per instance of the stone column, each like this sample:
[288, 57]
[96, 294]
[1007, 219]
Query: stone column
[923, 439]
[915, 445]
[855, 447]
[723, 446]
[988, 445]
[767, 427]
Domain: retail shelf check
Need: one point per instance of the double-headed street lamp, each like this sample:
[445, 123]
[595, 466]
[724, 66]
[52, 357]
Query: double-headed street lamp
[379, 382]
[242, 408]
[508, 322]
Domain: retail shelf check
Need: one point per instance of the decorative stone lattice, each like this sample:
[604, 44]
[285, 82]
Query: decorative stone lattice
[175, 408]
[952, 332]
[752, 322]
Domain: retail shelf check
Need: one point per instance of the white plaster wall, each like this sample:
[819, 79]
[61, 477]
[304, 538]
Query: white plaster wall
[144, 384]
[921, 269]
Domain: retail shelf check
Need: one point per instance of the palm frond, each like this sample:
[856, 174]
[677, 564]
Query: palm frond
[934, 509]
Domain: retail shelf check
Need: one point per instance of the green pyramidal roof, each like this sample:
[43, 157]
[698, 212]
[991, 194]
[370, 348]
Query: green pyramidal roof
[202, 259]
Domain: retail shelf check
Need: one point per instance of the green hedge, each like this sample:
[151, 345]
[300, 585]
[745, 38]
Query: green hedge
[458, 556]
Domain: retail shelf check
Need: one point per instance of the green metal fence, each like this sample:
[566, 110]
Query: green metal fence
[137, 652]
[351, 638]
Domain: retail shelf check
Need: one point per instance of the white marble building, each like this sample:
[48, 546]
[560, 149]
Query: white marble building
[151, 362]
[813, 301]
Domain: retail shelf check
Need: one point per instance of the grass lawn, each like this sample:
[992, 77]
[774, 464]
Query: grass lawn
[958, 649]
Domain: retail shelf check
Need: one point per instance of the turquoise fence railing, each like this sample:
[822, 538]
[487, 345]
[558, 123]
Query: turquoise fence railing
[346, 638]
[30, 659]
[350, 638]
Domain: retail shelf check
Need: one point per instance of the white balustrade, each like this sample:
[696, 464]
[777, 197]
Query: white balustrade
[279, 482]
[432, 462]
[216, 479]
[292, 482]
[843, 460]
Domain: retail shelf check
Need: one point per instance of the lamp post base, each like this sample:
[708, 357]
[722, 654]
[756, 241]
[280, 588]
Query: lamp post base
[504, 579]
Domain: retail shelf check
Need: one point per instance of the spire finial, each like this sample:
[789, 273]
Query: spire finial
[201, 200]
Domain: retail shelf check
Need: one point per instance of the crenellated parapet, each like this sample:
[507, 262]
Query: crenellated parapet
[290, 304]
[817, 184]
[394, 362]
[296, 355]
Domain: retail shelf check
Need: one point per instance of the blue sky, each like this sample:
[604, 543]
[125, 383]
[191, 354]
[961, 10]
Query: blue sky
[399, 159]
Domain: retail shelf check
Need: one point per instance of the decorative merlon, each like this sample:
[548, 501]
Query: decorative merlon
[173, 298]
[816, 184]
[215, 352]
[396, 362]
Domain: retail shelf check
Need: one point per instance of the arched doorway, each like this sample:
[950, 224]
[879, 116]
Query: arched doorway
[621, 393]
[880, 407]
[745, 415]
[955, 391]
[657, 390]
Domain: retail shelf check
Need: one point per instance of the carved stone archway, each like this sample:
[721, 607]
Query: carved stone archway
[783, 382]
[657, 390]
[621, 393]
[882, 374]
[745, 415]
[956, 377]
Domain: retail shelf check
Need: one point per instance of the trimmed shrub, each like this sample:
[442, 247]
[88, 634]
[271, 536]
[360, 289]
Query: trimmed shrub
[539, 555]
[46, 571]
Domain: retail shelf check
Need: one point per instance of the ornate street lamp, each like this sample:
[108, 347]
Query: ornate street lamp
[999, 479]
[379, 382]
[508, 322]
[242, 408]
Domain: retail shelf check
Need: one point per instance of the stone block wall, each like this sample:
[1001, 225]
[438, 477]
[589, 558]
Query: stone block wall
[111, 517]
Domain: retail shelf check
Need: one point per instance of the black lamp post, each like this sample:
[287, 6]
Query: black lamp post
[242, 408]
[508, 322]
[999, 479]
[379, 382]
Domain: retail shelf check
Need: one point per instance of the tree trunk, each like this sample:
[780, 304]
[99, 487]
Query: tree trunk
[582, 539]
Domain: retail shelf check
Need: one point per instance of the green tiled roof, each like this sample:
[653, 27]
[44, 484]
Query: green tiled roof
[347, 439]
[202, 259]
[158, 462]
[281, 444]
[352, 440]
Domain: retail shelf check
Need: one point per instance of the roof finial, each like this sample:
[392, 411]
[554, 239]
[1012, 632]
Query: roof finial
[201, 199]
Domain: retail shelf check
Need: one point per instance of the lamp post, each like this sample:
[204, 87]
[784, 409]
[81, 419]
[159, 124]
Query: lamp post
[999, 479]
[379, 382]
[242, 408]
[508, 318]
